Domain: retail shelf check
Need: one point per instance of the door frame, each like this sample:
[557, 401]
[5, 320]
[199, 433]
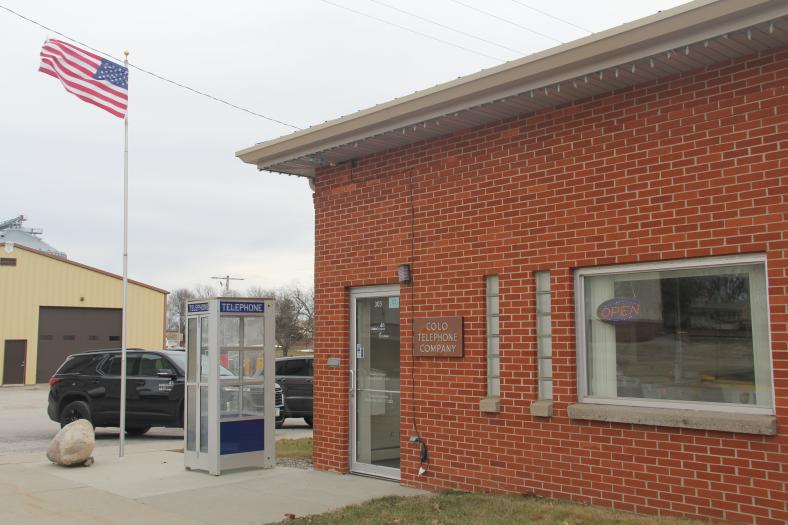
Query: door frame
[24, 361]
[362, 292]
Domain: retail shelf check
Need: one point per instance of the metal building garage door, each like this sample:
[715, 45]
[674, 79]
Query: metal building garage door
[64, 331]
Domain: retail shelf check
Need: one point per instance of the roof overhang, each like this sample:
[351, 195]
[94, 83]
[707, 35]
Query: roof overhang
[685, 38]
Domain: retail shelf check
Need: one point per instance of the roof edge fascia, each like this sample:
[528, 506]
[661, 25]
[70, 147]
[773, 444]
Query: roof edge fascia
[679, 26]
[85, 267]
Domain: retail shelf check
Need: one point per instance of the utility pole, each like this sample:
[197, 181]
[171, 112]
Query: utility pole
[227, 280]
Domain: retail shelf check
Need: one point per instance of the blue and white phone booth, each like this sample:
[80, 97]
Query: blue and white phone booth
[230, 383]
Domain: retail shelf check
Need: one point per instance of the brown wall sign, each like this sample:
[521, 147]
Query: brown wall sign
[437, 337]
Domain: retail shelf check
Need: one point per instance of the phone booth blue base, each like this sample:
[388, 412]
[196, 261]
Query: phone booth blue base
[230, 384]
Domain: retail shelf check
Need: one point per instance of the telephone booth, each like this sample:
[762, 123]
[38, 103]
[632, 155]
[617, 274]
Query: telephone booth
[230, 383]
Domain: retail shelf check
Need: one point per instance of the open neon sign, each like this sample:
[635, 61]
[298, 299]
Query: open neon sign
[618, 310]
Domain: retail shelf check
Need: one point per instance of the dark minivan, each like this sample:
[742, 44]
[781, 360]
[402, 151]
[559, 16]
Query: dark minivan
[87, 386]
[294, 375]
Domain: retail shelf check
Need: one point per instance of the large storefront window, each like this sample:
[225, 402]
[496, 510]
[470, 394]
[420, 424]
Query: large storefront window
[689, 333]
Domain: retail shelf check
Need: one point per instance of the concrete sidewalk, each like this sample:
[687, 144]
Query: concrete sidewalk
[152, 486]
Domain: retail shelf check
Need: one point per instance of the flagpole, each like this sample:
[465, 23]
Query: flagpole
[125, 272]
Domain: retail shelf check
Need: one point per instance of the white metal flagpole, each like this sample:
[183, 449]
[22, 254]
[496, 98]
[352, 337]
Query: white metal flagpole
[125, 271]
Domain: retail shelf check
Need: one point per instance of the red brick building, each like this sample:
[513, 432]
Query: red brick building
[608, 221]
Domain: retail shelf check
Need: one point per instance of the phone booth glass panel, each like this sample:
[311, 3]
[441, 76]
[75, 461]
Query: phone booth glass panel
[230, 409]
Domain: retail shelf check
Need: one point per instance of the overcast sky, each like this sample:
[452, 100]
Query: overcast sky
[195, 210]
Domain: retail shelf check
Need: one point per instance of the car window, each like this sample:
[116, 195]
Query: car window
[296, 367]
[180, 361]
[112, 367]
[280, 368]
[150, 364]
[77, 363]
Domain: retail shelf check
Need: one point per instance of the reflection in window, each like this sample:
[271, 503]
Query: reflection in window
[113, 368]
[204, 335]
[229, 332]
[150, 364]
[692, 335]
[231, 360]
[203, 419]
[191, 407]
[241, 367]
[253, 364]
[191, 349]
[253, 331]
[229, 401]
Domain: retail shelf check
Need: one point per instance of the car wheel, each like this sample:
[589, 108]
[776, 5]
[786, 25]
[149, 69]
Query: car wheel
[137, 431]
[279, 424]
[73, 411]
[308, 420]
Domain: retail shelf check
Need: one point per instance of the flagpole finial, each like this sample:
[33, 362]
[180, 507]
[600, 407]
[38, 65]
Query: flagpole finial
[126, 53]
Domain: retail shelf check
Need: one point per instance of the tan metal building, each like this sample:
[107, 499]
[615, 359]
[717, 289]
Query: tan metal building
[51, 307]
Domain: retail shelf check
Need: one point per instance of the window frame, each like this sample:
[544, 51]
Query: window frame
[678, 264]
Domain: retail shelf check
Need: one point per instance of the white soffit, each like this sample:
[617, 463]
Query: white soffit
[594, 65]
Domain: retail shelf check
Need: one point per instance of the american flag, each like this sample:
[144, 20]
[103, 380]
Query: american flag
[87, 75]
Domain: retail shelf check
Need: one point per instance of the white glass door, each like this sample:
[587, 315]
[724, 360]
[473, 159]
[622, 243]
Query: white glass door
[375, 381]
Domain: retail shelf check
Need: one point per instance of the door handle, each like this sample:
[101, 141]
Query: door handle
[352, 381]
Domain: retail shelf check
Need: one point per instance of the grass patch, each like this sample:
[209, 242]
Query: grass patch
[461, 509]
[294, 448]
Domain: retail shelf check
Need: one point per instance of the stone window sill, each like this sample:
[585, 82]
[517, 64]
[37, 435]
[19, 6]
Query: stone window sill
[679, 418]
[542, 408]
[490, 405]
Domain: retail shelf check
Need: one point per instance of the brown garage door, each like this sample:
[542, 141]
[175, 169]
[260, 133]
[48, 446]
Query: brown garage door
[65, 331]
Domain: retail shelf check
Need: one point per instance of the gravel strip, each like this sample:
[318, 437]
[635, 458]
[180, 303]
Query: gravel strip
[302, 463]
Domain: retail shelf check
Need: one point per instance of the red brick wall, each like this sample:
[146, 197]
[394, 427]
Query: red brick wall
[691, 166]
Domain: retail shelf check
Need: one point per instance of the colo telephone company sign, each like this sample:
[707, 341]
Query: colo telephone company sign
[437, 337]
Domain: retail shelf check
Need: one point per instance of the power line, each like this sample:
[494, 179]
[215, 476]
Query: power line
[545, 13]
[208, 95]
[444, 26]
[506, 20]
[142, 70]
[425, 35]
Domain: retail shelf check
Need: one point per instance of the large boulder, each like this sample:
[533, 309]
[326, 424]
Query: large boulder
[73, 445]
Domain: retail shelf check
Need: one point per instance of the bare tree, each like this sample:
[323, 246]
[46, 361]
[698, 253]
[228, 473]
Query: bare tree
[176, 303]
[176, 308]
[295, 309]
[203, 291]
[259, 291]
[305, 298]
[294, 314]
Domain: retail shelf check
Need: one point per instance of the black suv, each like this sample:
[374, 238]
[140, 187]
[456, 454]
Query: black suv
[294, 374]
[87, 386]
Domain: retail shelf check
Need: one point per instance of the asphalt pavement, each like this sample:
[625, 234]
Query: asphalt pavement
[25, 426]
